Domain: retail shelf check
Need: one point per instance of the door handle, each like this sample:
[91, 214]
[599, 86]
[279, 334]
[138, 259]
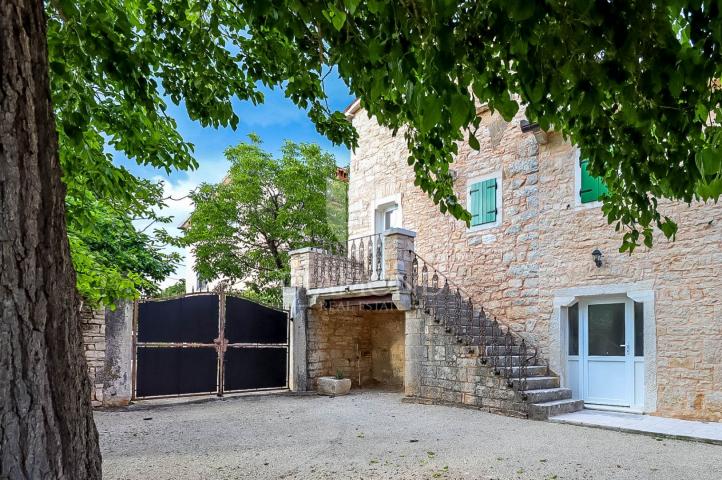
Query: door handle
[623, 345]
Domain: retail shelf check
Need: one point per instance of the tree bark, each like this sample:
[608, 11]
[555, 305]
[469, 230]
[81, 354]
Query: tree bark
[46, 421]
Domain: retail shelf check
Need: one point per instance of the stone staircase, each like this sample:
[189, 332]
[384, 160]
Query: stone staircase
[524, 383]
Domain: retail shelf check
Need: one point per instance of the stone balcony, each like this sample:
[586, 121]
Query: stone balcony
[370, 270]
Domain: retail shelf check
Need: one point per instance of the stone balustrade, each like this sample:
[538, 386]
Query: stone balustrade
[384, 257]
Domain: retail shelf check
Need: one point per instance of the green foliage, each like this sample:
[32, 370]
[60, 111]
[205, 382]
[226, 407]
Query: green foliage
[113, 67]
[634, 84]
[178, 288]
[112, 259]
[243, 228]
[337, 209]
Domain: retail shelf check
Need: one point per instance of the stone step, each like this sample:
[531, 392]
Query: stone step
[544, 410]
[537, 383]
[547, 394]
[501, 361]
[501, 350]
[531, 371]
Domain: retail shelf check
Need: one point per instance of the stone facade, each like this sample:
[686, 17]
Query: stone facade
[366, 346]
[540, 252]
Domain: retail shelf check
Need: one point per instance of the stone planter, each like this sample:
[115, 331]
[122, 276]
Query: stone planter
[333, 386]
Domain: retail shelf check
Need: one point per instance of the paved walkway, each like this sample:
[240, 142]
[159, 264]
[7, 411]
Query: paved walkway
[710, 432]
[372, 435]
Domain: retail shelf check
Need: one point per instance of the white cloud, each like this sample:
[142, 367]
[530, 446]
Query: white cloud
[179, 205]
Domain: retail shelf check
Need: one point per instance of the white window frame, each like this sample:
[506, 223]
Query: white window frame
[578, 185]
[499, 207]
[383, 204]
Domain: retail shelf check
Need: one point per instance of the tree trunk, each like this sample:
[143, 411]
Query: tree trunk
[46, 421]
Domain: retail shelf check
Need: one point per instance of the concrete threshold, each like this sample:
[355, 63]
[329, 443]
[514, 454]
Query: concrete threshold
[691, 430]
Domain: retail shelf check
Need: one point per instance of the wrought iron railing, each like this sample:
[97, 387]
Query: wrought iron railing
[359, 260]
[499, 346]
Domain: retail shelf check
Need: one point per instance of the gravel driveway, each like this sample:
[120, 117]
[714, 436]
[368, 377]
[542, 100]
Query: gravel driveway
[374, 435]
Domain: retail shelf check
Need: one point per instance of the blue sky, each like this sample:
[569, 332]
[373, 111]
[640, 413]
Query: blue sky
[276, 120]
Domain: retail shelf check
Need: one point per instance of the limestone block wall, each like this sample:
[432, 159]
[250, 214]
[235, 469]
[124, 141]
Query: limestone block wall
[685, 275]
[542, 246]
[497, 265]
[387, 349]
[92, 324]
[450, 373]
[366, 346]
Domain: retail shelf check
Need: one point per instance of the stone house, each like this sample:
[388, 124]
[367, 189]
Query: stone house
[514, 314]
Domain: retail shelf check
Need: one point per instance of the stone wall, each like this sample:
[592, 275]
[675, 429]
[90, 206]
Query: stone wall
[454, 374]
[92, 324]
[108, 350]
[387, 348]
[543, 246]
[366, 346]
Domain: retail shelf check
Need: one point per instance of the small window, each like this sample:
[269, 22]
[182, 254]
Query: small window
[388, 218]
[592, 188]
[638, 329]
[482, 199]
[573, 316]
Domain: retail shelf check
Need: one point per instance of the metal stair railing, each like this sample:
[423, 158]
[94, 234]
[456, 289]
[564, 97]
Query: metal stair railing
[472, 327]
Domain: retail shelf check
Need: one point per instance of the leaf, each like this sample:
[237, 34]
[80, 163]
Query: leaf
[474, 142]
[709, 161]
[668, 227]
[336, 16]
[460, 109]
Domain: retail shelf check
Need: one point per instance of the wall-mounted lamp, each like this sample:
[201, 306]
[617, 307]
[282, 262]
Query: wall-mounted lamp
[539, 134]
[597, 255]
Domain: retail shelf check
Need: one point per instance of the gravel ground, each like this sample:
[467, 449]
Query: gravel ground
[373, 435]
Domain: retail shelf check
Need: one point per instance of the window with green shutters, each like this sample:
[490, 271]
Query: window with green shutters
[482, 199]
[592, 188]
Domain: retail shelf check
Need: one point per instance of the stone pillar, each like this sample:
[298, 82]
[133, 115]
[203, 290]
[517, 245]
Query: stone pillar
[398, 256]
[415, 352]
[301, 264]
[398, 246]
[117, 381]
[295, 301]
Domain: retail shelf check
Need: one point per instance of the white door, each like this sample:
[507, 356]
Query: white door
[607, 351]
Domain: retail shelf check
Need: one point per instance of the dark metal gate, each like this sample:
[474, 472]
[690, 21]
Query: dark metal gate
[208, 343]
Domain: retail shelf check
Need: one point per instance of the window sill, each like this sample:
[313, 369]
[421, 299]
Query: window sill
[587, 206]
[482, 228]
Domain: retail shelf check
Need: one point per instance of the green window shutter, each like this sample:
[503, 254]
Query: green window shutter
[601, 186]
[590, 185]
[475, 204]
[483, 202]
[488, 187]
